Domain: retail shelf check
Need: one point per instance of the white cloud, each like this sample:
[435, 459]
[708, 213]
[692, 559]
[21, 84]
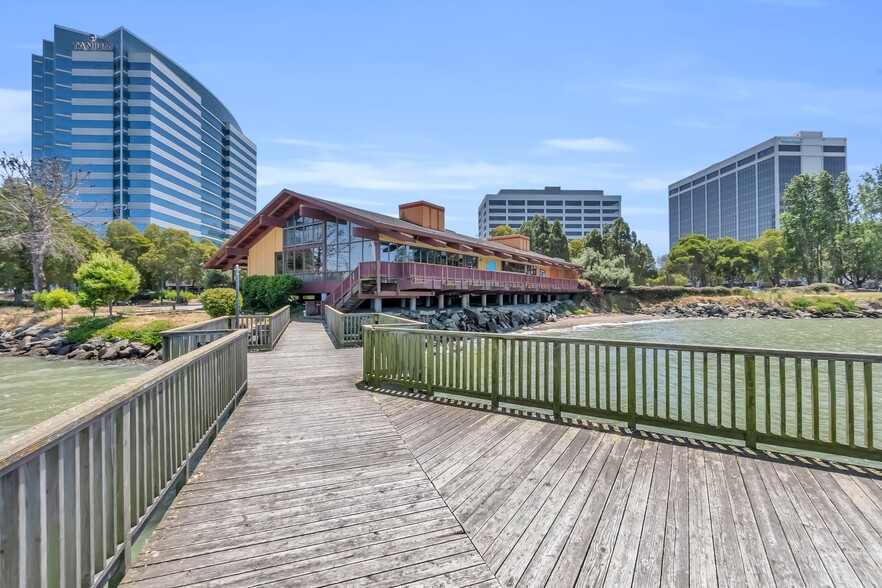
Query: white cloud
[311, 144]
[15, 120]
[414, 174]
[589, 144]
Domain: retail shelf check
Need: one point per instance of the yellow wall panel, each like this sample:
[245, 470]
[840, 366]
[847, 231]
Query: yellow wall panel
[262, 255]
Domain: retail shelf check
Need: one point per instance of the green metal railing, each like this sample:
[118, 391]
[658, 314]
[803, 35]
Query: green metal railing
[347, 328]
[805, 400]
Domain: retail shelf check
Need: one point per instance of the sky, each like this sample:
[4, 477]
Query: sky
[379, 103]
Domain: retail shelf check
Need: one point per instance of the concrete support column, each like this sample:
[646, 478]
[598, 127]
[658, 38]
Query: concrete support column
[378, 304]
[428, 301]
[403, 302]
[464, 301]
[440, 301]
[413, 304]
[483, 301]
[539, 298]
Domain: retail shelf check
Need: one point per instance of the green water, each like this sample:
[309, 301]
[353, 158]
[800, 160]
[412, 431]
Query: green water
[846, 335]
[34, 389]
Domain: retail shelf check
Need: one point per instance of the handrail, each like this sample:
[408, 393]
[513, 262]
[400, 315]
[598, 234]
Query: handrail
[77, 490]
[263, 332]
[346, 329]
[798, 399]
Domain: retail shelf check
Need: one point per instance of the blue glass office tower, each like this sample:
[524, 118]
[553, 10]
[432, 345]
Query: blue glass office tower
[158, 146]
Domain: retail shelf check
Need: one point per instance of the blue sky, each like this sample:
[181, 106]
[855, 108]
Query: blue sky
[379, 103]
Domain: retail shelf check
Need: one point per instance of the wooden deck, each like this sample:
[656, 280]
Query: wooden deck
[314, 482]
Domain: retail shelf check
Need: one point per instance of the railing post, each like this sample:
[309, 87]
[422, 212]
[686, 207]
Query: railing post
[368, 348]
[632, 387]
[494, 373]
[750, 400]
[557, 380]
[127, 483]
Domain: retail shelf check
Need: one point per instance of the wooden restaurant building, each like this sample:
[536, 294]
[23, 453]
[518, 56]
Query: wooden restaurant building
[350, 258]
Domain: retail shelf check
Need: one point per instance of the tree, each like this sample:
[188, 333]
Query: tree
[105, 279]
[15, 273]
[79, 243]
[618, 240]
[815, 207]
[57, 298]
[215, 278]
[124, 238]
[731, 259]
[772, 256]
[557, 242]
[176, 257]
[575, 248]
[501, 231]
[690, 257]
[605, 272]
[537, 229]
[35, 203]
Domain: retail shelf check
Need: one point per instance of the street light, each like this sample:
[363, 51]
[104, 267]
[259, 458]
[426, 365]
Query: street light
[236, 275]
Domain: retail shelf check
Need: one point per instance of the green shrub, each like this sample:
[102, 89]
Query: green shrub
[268, 293]
[117, 332]
[149, 334]
[88, 327]
[800, 303]
[219, 301]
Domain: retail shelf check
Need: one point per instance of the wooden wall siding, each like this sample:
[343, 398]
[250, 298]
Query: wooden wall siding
[262, 255]
[424, 216]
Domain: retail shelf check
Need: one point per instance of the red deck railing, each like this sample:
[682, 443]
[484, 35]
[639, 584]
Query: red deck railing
[426, 276]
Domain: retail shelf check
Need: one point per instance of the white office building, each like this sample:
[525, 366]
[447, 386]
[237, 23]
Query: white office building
[740, 197]
[578, 211]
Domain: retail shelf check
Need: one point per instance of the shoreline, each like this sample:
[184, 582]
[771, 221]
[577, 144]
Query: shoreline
[606, 318]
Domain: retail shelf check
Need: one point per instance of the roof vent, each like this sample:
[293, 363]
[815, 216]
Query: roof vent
[422, 213]
[521, 242]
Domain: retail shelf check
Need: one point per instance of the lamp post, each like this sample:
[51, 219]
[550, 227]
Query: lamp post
[236, 277]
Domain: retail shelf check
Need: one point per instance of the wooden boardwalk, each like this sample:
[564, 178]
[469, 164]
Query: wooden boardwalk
[314, 482]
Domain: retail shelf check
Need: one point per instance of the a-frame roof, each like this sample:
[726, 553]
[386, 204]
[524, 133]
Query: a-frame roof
[274, 214]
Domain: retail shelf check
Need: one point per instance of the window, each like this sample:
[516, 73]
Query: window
[834, 148]
[674, 219]
[574, 203]
[788, 167]
[515, 202]
[699, 211]
[728, 204]
[747, 203]
[554, 203]
[516, 211]
[591, 203]
[535, 203]
[536, 210]
[713, 209]
[765, 152]
[713, 174]
[746, 160]
[555, 211]
[789, 147]
[834, 165]
[765, 188]
[728, 168]
[497, 202]
[698, 181]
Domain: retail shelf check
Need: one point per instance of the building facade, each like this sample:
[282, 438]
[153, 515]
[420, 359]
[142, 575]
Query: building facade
[157, 145]
[740, 197]
[579, 211]
[348, 257]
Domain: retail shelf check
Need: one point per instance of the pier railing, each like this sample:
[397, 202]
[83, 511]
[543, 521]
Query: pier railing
[263, 332]
[814, 401]
[77, 490]
[347, 329]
